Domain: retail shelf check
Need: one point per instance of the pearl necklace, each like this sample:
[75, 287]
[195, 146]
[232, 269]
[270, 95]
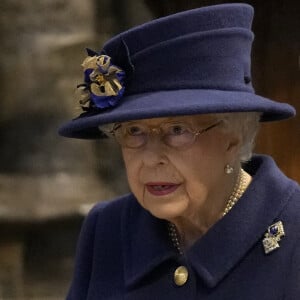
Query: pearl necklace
[238, 190]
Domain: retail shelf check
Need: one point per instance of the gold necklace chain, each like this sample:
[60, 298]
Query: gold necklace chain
[238, 191]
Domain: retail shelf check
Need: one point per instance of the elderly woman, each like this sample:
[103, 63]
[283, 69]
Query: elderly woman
[205, 219]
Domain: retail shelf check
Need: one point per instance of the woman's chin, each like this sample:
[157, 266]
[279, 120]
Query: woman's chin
[167, 211]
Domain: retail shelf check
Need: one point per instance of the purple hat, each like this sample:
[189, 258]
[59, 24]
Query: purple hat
[193, 62]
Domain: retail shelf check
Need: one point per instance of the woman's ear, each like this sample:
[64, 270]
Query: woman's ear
[233, 145]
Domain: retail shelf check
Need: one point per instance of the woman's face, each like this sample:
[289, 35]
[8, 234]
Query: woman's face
[171, 182]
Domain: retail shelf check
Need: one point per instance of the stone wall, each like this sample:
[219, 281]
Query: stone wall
[42, 43]
[48, 183]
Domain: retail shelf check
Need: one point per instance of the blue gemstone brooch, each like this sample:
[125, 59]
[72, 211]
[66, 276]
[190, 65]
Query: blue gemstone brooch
[273, 236]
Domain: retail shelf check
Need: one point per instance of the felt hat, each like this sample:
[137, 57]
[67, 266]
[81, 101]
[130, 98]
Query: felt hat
[193, 62]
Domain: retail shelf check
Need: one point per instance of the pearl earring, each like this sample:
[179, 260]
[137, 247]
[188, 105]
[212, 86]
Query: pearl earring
[228, 169]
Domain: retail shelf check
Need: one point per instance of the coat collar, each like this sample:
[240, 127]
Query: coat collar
[224, 245]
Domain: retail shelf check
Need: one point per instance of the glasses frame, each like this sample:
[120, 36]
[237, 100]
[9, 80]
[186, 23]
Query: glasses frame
[157, 130]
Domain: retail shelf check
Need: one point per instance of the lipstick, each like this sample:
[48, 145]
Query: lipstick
[161, 188]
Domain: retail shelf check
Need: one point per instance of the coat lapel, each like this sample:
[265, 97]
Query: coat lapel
[146, 243]
[228, 241]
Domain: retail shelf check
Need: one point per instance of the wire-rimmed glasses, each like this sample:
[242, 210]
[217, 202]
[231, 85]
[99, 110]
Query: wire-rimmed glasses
[179, 135]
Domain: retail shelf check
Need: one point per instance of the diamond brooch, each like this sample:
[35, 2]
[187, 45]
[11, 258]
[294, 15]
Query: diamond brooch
[273, 236]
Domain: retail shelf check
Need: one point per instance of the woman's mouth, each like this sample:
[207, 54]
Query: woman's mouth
[161, 188]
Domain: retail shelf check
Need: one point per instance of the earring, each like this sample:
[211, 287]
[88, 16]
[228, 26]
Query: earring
[228, 169]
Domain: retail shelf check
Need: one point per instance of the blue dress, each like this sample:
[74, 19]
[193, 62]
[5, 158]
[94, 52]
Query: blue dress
[125, 253]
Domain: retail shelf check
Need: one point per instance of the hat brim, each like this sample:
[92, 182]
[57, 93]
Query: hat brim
[175, 103]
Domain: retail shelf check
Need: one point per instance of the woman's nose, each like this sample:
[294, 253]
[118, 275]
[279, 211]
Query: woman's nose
[154, 152]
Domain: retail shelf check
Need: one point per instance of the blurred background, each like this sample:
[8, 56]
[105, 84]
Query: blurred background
[48, 183]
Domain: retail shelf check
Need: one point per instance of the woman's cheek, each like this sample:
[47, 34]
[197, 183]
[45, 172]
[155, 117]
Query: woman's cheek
[133, 178]
[196, 190]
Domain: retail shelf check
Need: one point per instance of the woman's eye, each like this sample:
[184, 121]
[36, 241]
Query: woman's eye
[177, 129]
[135, 130]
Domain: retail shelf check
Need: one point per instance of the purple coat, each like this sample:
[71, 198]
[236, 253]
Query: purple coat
[125, 253]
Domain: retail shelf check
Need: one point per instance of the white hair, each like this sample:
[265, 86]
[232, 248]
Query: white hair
[245, 125]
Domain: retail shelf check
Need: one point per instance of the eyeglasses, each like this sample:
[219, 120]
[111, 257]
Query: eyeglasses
[177, 135]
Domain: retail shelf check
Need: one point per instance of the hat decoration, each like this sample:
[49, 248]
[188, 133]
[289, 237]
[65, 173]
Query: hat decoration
[103, 83]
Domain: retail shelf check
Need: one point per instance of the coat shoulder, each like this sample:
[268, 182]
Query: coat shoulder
[108, 207]
[105, 217]
[100, 231]
[292, 207]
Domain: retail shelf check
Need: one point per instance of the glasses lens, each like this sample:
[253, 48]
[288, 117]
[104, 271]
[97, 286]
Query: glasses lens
[178, 135]
[132, 135]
